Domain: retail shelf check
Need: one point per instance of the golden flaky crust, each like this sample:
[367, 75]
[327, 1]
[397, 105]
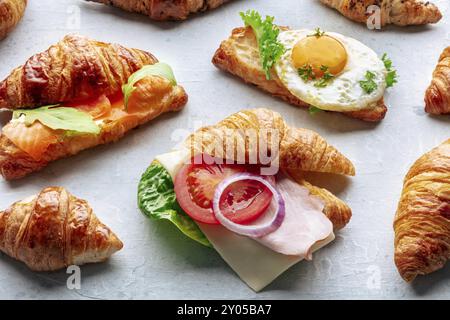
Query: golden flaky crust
[239, 55]
[53, 230]
[399, 12]
[437, 97]
[422, 222]
[11, 12]
[164, 9]
[161, 97]
[297, 150]
[74, 68]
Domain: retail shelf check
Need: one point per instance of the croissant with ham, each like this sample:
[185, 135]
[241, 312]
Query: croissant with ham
[11, 12]
[88, 76]
[297, 151]
[422, 222]
[163, 9]
[207, 187]
[437, 97]
[53, 230]
[402, 13]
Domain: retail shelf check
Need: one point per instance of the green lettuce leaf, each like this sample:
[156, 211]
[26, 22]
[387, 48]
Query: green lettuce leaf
[60, 118]
[158, 69]
[270, 50]
[157, 200]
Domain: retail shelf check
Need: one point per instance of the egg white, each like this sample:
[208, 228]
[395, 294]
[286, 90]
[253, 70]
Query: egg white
[344, 92]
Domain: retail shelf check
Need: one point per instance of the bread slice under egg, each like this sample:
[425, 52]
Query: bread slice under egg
[239, 55]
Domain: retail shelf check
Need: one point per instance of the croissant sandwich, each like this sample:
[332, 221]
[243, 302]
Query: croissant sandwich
[422, 222]
[239, 187]
[11, 12]
[308, 68]
[53, 230]
[437, 97]
[401, 13]
[164, 9]
[78, 94]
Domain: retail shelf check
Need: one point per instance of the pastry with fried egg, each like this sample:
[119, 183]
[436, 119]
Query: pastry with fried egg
[308, 68]
[78, 94]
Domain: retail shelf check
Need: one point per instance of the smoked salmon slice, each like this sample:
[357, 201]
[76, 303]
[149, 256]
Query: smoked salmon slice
[34, 139]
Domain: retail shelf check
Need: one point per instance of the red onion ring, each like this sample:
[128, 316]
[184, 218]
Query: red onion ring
[250, 231]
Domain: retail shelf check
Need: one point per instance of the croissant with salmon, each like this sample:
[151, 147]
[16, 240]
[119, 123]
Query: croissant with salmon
[294, 150]
[163, 9]
[11, 12]
[402, 13]
[53, 230]
[422, 222]
[96, 92]
[437, 97]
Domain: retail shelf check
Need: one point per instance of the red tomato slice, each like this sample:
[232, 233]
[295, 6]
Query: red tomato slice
[195, 184]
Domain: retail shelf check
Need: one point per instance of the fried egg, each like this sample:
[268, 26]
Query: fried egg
[345, 59]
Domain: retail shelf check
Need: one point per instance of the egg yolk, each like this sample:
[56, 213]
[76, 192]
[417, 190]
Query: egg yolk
[318, 52]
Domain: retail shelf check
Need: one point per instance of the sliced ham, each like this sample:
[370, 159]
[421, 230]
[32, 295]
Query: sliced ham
[304, 223]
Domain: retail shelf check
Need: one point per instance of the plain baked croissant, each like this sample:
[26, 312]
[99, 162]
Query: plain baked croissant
[298, 150]
[11, 12]
[74, 68]
[437, 97]
[164, 9]
[422, 222]
[239, 55]
[53, 230]
[399, 12]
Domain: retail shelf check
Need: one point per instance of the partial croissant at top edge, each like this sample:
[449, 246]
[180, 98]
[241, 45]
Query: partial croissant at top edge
[401, 13]
[164, 10]
[437, 97]
[53, 230]
[11, 12]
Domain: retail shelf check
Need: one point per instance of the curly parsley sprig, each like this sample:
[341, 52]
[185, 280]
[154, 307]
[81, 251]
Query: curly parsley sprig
[307, 74]
[270, 50]
[391, 77]
[369, 85]
[326, 78]
[318, 33]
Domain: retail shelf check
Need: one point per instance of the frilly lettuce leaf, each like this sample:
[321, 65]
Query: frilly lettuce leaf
[270, 50]
[157, 200]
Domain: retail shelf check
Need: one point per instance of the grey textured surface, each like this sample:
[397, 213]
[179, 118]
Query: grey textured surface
[159, 262]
